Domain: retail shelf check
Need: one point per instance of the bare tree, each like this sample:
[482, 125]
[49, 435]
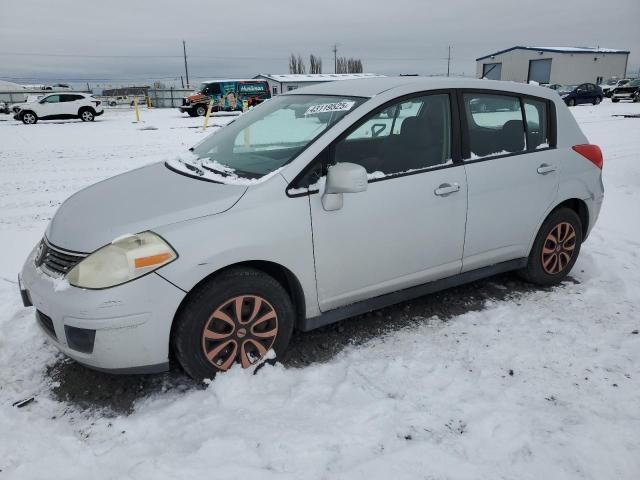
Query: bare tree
[293, 64]
[296, 64]
[301, 66]
[315, 64]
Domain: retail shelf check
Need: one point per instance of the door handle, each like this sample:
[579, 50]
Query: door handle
[446, 189]
[546, 168]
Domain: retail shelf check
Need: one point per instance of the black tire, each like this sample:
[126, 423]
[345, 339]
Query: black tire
[192, 113]
[28, 117]
[597, 100]
[571, 102]
[87, 115]
[615, 100]
[636, 98]
[545, 249]
[112, 104]
[211, 302]
[201, 111]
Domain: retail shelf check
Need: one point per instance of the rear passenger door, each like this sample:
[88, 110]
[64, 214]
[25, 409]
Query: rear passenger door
[511, 174]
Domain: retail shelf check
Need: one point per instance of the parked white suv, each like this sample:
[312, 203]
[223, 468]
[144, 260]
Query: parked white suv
[60, 105]
[315, 206]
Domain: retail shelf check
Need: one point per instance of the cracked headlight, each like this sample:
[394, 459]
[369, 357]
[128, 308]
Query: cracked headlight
[121, 261]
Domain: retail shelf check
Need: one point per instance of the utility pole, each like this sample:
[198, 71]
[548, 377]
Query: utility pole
[186, 69]
[335, 58]
[448, 60]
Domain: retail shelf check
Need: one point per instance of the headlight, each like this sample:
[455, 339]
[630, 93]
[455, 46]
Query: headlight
[121, 261]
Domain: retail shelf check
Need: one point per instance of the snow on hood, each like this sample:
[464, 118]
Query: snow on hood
[208, 169]
[133, 202]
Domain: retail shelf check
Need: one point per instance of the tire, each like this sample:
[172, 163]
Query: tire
[555, 249]
[615, 100]
[208, 322]
[571, 102]
[636, 98]
[201, 110]
[87, 115]
[112, 104]
[192, 113]
[29, 118]
[597, 100]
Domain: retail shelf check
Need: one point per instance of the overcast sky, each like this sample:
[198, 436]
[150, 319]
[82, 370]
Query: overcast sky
[123, 41]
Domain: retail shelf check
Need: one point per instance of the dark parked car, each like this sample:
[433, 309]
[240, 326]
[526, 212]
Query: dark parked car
[584, 93]
[629, 91]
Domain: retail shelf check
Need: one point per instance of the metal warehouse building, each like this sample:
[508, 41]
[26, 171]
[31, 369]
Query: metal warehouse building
[564, 65]
[287, 82]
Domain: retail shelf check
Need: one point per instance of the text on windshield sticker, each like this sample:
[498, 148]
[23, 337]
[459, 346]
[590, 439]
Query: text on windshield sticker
[330, 107]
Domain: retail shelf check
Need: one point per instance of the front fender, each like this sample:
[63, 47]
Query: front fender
[265, 225]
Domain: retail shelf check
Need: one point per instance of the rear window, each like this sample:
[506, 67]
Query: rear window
[498, 125]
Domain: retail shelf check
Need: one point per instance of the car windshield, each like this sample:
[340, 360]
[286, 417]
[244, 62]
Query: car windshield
[264, 139]
[566, 88]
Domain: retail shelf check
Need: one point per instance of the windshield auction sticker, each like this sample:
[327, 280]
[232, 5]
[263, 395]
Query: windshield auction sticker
[330, 107]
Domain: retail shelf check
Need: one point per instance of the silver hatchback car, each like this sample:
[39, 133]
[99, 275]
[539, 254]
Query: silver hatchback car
[315, 206]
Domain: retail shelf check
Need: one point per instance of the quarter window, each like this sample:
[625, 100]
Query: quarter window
[495, 124]
[409, 135]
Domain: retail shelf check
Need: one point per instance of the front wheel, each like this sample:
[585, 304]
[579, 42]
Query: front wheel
[236, 317]
[555, 249]
[201, 110]
[87, 116]
[29, 118]
[615, 100]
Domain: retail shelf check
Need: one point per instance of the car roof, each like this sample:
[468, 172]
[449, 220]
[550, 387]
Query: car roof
[370, 87]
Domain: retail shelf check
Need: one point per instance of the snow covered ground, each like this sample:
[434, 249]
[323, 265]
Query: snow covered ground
[543, 385]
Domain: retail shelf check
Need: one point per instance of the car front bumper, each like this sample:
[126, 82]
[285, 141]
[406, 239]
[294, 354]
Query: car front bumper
[123, 329]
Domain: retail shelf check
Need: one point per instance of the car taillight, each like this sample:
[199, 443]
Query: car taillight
[591, 153]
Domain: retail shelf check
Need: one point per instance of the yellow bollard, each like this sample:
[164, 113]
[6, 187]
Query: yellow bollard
[148, 101]
[208, 114]
[135, 107]
[247, 137]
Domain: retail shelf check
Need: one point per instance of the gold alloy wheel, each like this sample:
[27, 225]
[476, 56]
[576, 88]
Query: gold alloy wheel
[242, 329]
[558, 248]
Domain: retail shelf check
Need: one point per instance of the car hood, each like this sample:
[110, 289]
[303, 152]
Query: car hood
[133, 202]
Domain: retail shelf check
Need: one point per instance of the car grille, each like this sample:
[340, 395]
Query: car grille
[57, 261]
[46, 323]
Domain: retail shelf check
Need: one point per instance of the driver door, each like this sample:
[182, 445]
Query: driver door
[407, 228]
[49, 106]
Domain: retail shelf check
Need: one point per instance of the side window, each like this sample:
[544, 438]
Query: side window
[536, 112]
[409, 135]
[495, 124]
[51, 99]
[68, 98]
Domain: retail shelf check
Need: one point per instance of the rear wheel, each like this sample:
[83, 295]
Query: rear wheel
[87, 115]
[636, 98]
[29, 118]
[571, 102]
[555, 249]
[597, 100]
[236, 317]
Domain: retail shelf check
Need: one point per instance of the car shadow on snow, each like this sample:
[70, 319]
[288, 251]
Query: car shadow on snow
[90, 390]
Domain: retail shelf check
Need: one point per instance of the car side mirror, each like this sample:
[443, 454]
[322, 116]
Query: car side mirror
[343, 178]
